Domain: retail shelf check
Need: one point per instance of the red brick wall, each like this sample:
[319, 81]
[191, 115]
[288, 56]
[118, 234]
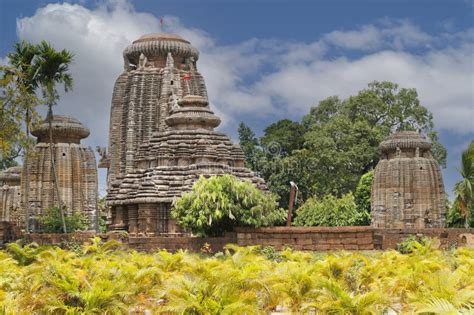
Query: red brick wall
[309, 238]
[8, 232]
[59, 238]
[447, 238]
[195, 244]
[298, 238]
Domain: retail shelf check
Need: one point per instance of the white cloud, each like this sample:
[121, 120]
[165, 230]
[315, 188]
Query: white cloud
[394, 34]
[367, 38]
[444, 81]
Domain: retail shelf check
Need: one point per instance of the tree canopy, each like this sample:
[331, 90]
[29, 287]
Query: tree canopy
[30, 68]
[337, 141]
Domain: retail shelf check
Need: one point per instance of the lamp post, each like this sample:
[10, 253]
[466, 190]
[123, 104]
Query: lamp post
[293, 192]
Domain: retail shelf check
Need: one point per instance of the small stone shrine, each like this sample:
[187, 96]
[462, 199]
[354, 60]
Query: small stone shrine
[162, 136]
[407, 189]
[76, 171]
[10, 199]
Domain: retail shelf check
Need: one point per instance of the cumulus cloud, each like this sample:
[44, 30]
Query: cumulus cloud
[262, 78]
[395, 34]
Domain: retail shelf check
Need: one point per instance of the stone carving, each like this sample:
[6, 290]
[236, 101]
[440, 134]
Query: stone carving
[10, 200]
[104, 158]
[75, 166]
[142, 62]
[407, 190]
[162, 137]
[174, 102]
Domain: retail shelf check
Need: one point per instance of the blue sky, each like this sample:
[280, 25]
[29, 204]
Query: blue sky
[267, 60]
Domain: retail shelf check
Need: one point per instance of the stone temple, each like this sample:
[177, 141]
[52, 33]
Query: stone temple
[10, 197]
[76, 171]
[162, 136]
[407, 189]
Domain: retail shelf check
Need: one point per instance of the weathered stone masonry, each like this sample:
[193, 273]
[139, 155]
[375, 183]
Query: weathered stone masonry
[75, 167]
[162, 136]
[10, 197]
[407, 189]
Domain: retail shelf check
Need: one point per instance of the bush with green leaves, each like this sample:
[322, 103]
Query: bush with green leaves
[330, 211]
[362, 195]
[51, 221]
[218, 203]
[413, 243]
[102, 278]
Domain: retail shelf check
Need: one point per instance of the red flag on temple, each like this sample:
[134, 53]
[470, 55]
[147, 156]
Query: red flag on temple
[161, 23]
[187, 76]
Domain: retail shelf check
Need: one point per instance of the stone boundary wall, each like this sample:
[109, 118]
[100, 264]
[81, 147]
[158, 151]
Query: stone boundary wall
[298, 238]
[444, 238]
[60, 239]
[195, 244]
[309, 238]
[8, 232]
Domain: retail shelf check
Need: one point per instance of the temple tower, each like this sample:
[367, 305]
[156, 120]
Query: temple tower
[75, 169]
[10, 200]
[159, 69]
[407, 189]
[162, 136]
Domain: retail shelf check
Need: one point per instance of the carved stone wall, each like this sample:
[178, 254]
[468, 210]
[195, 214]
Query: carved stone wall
[407, 189]
[162, 136]
[75, 168]
[10, 200]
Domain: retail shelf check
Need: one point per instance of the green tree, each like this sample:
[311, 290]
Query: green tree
[385, 106]
[17, 107]
[342, 136]
[282, 137]
[218, 203]
[23, 73]
[464, 200]
[32, 67]
[250, 146]
[337, 142]
[343, 150]
[52, 68]
[52, 221]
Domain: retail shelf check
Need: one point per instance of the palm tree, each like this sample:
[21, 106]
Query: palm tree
[464, 189]
[51, 68]
[22, 59]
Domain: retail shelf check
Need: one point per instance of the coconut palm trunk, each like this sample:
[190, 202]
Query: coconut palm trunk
[53, 166]
[27, 173]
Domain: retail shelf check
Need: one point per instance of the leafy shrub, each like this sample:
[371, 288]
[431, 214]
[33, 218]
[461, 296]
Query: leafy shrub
[362, 196]
[218, 203]
[102, 279]
[270, 253]
[24, 254]
[51, 221]
[455, 218]
[413, 243]
[330, 211]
